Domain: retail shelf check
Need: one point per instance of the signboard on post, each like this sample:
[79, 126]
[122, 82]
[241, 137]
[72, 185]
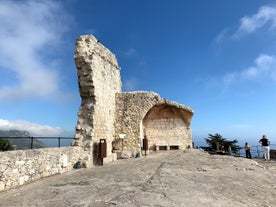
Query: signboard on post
[122, 136]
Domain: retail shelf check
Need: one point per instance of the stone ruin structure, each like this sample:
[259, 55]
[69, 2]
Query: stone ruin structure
[106, 114]
[122, 119]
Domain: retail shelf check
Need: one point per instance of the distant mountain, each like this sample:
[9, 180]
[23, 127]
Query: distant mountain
[14, 133]
[22, 139]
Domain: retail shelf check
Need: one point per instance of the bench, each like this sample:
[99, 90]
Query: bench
[170, 146]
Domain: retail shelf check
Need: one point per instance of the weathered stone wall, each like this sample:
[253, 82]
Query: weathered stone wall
[99, 80]
[131, 111]
[165, 126]
[24, 166]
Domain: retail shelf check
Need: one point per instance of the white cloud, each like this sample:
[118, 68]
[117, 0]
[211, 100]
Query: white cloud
[33, 128]
[265, 65]
[264, 68]
[29, 32]
[250, 24]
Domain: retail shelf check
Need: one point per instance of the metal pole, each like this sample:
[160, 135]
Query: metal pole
[258, 152]
[32, 142]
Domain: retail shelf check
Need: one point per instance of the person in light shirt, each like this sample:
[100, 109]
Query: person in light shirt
[265, 144]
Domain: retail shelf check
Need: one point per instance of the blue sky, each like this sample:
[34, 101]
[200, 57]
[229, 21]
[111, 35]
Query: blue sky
[216, 56]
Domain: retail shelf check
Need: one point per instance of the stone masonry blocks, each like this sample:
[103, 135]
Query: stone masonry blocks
[106, 111]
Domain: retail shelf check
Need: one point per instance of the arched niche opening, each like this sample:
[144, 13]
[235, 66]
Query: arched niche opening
[167, 126]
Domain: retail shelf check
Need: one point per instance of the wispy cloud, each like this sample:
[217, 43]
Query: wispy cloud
[265, 16]
[264, 68]
[250, 24]
[222, 36]
[130, 84]
[32, 128]
[130, 52]
[30, 30]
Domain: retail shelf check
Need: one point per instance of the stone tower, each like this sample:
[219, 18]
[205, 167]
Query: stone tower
[99, 81]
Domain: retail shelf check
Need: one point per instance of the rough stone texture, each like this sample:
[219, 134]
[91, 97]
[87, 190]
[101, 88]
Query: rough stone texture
[99, 80]
[106, 112]
[140, 114]
[164, 179]
[24, 166]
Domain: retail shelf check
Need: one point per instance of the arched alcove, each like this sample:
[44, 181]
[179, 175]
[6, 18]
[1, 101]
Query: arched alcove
[167, 126]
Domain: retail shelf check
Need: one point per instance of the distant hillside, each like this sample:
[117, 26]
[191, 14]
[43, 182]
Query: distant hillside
[17, 138]
[14, 133]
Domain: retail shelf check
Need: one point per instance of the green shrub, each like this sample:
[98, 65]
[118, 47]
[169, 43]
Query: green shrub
[5, 145]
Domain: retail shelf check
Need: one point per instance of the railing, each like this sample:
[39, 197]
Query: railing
[38, 142]
[256, 151]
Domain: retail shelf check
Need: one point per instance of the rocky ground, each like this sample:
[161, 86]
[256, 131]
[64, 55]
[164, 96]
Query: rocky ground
[168, 178]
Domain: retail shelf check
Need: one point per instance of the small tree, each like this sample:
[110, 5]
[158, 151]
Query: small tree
[215, 139]
[5, 145]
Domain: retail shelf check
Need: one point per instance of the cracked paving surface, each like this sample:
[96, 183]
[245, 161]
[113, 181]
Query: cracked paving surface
[167, 178]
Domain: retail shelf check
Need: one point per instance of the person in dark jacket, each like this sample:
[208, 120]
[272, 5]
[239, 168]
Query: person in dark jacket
[247, 150]
[265, 144]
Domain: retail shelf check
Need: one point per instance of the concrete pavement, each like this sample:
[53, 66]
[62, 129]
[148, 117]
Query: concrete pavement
[166, 178]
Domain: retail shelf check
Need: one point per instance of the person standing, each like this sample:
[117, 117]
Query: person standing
[247, 150]
[229, 150]
[265, 144]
